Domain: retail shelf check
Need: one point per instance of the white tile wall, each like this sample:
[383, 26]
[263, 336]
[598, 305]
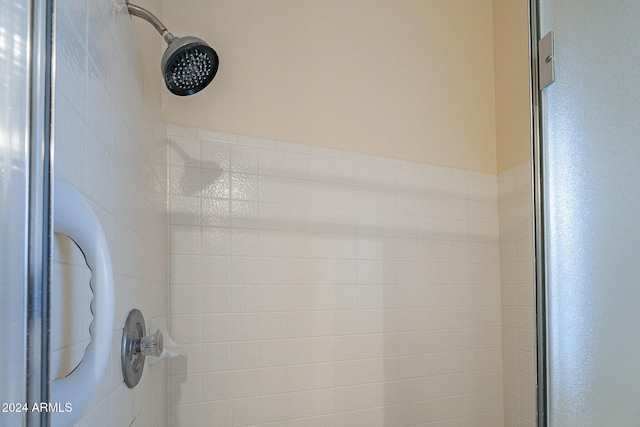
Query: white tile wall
[518, 305]
[110, 144]
[315, 287]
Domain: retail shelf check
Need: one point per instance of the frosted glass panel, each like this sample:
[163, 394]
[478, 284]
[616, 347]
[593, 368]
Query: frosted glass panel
[14, 20]
[591, 151]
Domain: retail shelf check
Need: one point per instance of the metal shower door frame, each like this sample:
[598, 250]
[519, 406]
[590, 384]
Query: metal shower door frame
[40, 207]
[538, 201]
[25, 140]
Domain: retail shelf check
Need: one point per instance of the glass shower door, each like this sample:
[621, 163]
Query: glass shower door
[13, 208]
[25, 95]
[590, 181]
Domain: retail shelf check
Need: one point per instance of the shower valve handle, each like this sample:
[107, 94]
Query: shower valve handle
[151, 345]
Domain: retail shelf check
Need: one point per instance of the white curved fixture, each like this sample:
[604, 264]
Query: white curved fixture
[74, 217]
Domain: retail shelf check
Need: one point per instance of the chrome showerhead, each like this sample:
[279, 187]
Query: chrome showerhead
[189, 64]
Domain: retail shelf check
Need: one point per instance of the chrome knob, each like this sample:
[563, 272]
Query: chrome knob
[152, 345]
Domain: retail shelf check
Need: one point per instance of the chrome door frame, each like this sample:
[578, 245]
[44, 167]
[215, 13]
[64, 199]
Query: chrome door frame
[40, 230]
[538, 200]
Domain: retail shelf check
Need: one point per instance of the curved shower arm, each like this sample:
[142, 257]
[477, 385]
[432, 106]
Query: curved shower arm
[143, 13]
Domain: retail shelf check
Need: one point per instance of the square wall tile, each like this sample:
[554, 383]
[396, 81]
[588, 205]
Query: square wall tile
[338, 288]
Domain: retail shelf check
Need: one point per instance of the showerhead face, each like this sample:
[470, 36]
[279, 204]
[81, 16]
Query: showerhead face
[188, 65]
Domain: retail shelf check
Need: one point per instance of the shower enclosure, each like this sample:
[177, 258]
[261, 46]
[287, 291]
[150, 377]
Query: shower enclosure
[588, 216]
[306, 285]
[311, 285]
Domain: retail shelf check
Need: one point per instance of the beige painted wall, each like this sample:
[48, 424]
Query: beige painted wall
[511, 59]
[408, 79]
[386, 77]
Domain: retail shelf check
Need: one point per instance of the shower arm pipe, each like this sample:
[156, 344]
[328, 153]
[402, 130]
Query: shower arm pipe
[143, 13]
